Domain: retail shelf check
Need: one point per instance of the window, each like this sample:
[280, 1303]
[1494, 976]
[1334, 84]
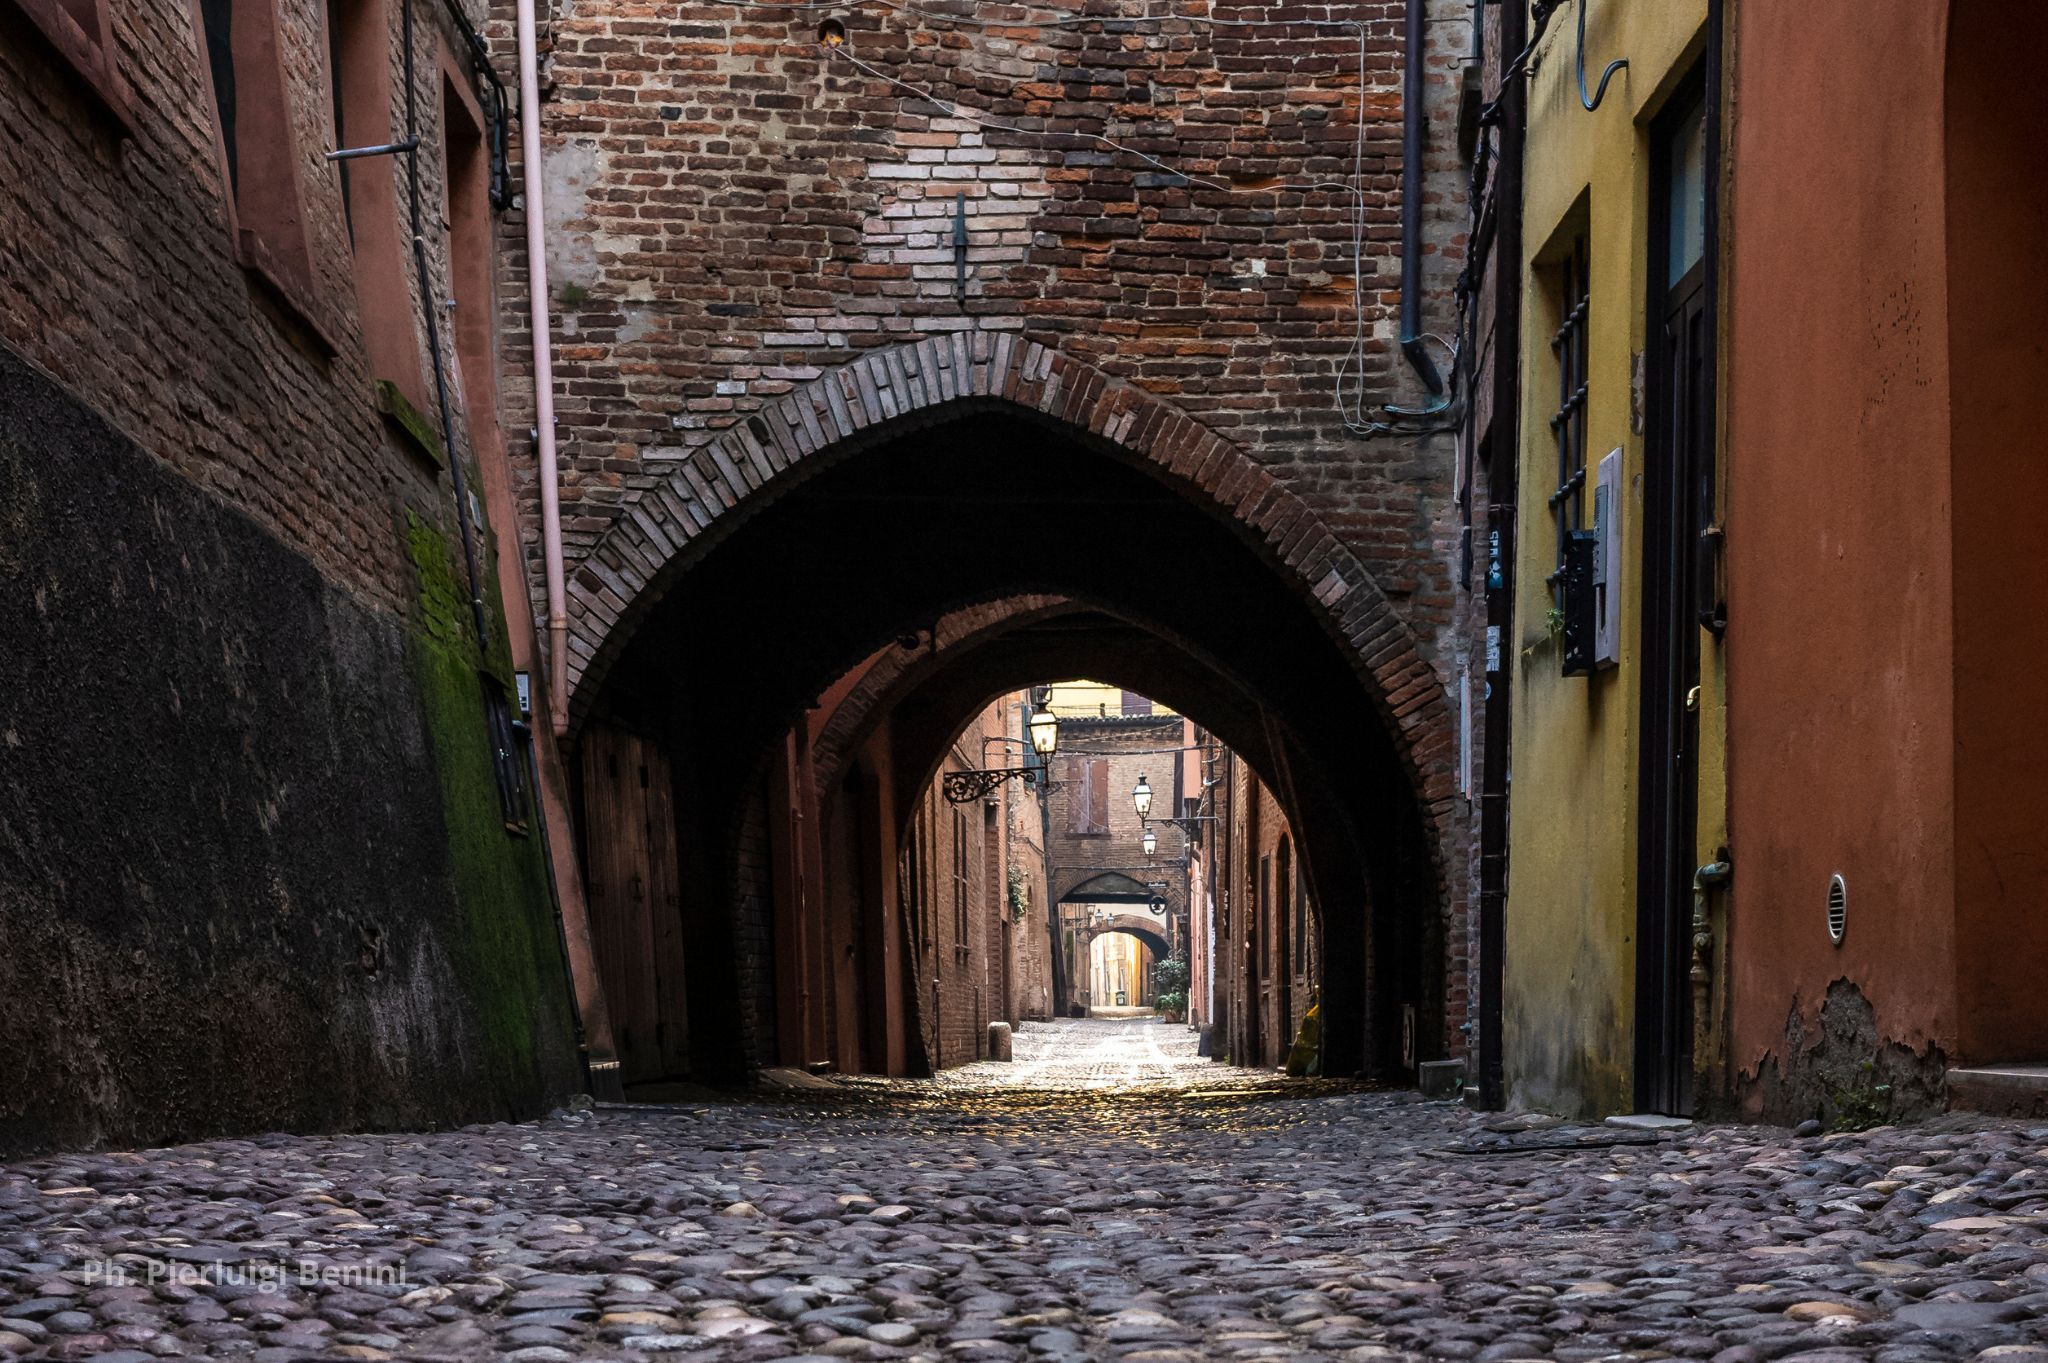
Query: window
[508, 757]
[259, 157]
[1568, 422]
[1135, 704]
[359, 36]
[962, 887]
[82, 31]
[470, 249]
[1264, 927]
[1290, 906]
[1087, 786]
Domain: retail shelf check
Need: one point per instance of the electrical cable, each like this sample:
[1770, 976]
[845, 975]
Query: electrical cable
[1352, 374]
[1059, 19]
[1613, 67]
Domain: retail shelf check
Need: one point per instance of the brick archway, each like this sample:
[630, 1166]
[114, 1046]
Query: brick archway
[881, 394]
[1130, 927]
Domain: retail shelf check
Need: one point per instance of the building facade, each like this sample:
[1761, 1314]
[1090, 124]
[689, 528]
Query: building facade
[1884, 413]
[1612, 683]
[273, 855]
[1103, 880]
[786, 293]
[1769, 847]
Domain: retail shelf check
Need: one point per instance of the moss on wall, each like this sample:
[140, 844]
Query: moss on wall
[253, 871]
[515, 968]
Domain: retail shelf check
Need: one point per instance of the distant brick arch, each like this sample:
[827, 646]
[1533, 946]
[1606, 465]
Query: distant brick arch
[880, 394]
[886, 677]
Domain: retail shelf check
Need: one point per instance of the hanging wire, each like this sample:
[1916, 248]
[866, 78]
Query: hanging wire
[1353, 374]
[1613, 67]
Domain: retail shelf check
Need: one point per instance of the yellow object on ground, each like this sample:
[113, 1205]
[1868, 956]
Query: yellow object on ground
[1307, 1056]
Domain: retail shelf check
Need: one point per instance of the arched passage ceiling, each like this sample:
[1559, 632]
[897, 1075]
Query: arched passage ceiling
[1168, 600]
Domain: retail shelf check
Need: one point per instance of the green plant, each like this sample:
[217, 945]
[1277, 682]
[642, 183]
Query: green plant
[1170, 1001]
[1171, 976]
[1862, 1102]
[1020, 892]
[572, 295]
[1553, 622]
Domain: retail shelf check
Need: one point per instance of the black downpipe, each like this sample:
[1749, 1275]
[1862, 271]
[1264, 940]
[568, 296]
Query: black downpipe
[1503, 451]
[1412, 127]
[496, 116]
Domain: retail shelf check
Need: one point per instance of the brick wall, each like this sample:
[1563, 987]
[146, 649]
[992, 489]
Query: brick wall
[733, 211]
[119, 277]
[242, 700]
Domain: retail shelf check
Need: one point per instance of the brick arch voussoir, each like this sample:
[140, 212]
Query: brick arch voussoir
[744, 467]
[886, 679]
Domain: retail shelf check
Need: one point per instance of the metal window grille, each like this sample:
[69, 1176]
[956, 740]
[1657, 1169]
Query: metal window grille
[1568, 422]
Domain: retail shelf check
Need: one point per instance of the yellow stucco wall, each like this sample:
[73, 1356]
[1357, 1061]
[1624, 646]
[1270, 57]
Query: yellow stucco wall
[1569, 1000]
[1085, 698]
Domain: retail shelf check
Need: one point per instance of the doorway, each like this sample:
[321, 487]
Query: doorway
[1679, 435]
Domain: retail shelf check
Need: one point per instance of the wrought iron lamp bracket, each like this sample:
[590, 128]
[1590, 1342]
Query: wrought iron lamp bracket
[965, 787]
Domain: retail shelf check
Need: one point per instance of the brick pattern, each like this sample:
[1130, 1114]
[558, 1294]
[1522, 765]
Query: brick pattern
[893, 672]
[118, 276]
[752, 262]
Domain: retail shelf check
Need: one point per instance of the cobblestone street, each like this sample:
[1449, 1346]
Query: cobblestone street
[1106, 1195]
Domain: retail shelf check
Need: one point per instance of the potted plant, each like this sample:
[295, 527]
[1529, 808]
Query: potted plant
[1170, 979]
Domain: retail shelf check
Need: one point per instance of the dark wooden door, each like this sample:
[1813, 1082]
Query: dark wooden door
[1679, 435]
[633, 886]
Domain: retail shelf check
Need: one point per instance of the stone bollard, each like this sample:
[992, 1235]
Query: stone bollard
[1441, 1078]
[999, 1041]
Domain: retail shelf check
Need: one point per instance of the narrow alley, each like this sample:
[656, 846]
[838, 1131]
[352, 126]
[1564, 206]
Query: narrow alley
[1043, 680]
[1104, 1196]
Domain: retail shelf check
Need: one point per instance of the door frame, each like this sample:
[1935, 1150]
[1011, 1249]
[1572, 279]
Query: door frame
[1679, 428]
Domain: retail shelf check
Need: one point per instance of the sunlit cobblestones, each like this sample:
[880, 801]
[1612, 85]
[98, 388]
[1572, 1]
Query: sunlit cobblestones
[1106, 1195]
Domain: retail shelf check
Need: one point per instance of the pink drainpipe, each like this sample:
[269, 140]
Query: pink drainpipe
[550, 469]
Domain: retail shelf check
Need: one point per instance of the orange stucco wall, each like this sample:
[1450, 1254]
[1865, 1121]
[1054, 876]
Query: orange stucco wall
[1836, 379]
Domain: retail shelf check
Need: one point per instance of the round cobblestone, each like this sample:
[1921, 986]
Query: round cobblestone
[1105, 1195]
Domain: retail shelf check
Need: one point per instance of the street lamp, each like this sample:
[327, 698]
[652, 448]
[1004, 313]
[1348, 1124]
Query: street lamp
[1044, 728]
[1149, 841]
[1141, 796]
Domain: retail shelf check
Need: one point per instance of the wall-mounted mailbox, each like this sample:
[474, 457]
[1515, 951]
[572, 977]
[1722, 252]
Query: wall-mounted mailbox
[1580, 553]
[1607, 500]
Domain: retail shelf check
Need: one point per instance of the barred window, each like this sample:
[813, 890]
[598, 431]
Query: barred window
[1568, 422]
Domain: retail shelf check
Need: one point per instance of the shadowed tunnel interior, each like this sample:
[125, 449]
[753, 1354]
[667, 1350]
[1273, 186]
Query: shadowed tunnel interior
[1158, 592]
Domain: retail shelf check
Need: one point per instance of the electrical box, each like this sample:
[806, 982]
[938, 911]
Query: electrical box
[1580, 553]
[1607, 500]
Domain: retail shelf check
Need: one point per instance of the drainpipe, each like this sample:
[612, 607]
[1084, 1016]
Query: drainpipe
[1503, 494]
[1415, 43]
[549, 469]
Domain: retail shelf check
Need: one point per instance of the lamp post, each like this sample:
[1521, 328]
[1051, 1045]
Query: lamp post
[1148, 840]
[1141, 796]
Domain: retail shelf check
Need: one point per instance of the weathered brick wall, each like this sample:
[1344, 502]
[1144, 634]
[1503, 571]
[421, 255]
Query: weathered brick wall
[733, 210]
[1131, 748]
[118, 276]
[257, 874]
[1030, 939]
